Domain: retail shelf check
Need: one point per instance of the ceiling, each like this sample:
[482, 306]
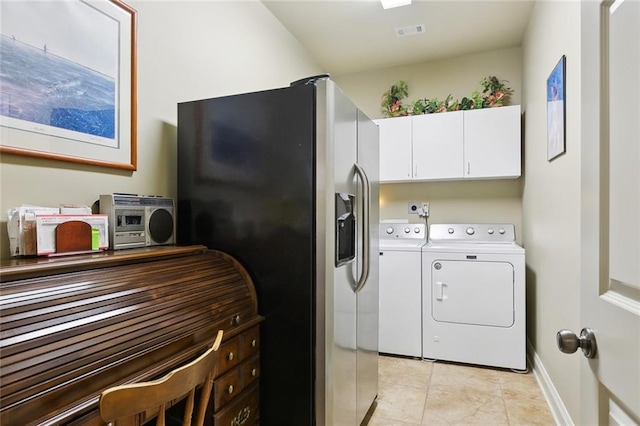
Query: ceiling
[349, 36]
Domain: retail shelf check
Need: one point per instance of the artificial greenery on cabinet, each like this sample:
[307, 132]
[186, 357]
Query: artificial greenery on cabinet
[495, 93]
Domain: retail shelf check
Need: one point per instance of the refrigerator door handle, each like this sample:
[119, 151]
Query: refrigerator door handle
[366, 242]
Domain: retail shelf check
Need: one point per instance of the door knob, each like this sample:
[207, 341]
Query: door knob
[568, 342]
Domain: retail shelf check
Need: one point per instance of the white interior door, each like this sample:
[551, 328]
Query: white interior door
[610, 211]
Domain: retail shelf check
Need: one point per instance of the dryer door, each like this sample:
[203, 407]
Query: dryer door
[472, 292]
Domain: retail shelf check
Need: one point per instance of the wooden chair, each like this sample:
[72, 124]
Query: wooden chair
[120, 405]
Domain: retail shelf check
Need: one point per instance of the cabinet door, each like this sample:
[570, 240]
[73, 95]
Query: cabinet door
[492, 142]
[438, 146]
[395, 149]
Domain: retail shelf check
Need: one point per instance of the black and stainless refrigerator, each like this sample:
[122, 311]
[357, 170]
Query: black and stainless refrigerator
[286, 181]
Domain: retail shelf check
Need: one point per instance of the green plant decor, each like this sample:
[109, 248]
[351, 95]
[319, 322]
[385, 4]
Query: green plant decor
[466, 104]
[451, 104]
[477, 99]
[418, 107]
[495, 93]
[392, 100]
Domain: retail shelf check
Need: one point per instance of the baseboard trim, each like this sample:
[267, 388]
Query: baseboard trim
[556, 406]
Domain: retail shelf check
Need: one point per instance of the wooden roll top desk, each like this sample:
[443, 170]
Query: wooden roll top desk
[71, 327]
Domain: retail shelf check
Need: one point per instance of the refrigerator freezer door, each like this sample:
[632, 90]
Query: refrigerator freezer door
[246, 186]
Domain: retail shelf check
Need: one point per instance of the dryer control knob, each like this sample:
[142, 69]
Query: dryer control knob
[416, 230]
[490, 231]
[471, 231]
[389, 230]
[501, 230]
[450, 230]
[407, 230]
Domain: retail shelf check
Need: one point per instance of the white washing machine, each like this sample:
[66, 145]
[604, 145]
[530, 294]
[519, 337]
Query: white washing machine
[401, 288]
[474, 309]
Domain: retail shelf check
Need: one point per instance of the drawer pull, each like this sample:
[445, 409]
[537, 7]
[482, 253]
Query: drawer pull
[230, 389]
[242, 417]
[230, 356]
[253, 343]
[236, 320]
[254, 372]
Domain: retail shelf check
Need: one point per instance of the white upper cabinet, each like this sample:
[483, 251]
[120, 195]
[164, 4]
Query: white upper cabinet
[475, 144]
[492, 143]
[438, 146]
[395, 149]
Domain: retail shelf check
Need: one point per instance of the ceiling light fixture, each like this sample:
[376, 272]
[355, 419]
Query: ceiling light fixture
[388, 4]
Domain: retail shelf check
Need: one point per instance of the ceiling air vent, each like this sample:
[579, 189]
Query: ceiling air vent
[410, 30]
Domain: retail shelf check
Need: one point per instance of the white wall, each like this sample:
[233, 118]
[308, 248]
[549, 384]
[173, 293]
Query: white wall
[468, 201]
[458, 76]
[186, 50]
[551, 196]
[456, 201]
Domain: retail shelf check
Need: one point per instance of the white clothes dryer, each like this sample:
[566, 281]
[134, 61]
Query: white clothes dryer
[474, 307]
[400, 322]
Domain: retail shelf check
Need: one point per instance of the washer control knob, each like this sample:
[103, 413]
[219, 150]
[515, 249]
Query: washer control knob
[501, 230]
[450, 230]
[407, 230]
[490, 231]
[470, 231]
[389, 230]
[416, 230]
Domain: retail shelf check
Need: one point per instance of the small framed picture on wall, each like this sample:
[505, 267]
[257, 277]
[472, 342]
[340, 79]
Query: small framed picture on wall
[556, 110]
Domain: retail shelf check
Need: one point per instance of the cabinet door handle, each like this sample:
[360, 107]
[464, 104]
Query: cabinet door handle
[254, 372]
[230, 356]
[415, 171]
[468, 167]
[253, 343]
[230, 389]
[409, 170]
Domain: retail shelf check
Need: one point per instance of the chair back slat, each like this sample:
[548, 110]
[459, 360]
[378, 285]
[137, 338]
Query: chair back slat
[126, 401]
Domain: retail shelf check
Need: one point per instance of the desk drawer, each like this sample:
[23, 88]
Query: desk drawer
[244, 411]
[232, 383]
[250, 342]
[251, 371]
[226, 387]
[229, 355]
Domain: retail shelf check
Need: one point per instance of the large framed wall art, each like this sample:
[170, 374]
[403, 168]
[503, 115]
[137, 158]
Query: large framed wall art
[556, 111]
[68, 87]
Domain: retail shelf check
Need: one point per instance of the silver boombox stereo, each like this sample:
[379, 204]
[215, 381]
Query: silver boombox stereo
[138, 220]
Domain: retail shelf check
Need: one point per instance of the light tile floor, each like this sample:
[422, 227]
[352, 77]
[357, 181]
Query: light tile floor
[416, 392]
